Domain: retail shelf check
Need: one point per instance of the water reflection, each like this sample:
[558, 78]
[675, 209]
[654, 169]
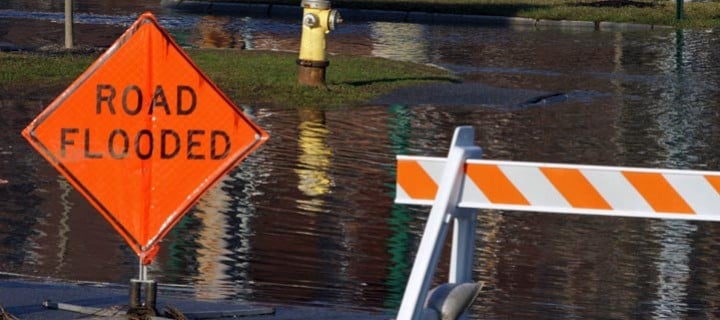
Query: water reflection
[314, 161]
[673, 269]
[63, 227]
[212, 252]
[681, 122]
[402, 240]
[400, 41]
[310, 219]
[214, 33]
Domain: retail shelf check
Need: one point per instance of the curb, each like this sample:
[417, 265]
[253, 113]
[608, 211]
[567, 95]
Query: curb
[286, 11]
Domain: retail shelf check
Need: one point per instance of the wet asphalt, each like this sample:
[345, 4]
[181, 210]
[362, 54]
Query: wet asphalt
[23, 299]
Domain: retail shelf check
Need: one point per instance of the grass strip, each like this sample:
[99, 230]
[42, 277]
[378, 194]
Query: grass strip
[257, 78]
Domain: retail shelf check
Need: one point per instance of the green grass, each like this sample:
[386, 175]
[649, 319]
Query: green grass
[40, 71]
[248, 77]
[697, 14]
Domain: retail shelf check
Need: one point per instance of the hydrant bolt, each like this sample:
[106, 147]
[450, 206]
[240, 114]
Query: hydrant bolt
[310, 20]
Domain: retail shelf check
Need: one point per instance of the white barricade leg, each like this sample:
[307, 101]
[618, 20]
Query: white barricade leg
[443, 210]
[463, 246]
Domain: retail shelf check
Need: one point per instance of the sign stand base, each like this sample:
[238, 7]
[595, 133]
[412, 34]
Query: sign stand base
[140, 308]
[170, 313]
[146, 308]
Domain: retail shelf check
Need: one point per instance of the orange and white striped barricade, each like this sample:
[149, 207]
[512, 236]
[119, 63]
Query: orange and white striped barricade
[455, 185]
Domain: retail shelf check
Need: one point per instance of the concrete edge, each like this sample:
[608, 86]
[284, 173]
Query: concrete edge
[273, 10]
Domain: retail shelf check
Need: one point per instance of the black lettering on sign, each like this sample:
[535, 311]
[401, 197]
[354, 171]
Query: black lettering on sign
[132, 100]
[180, 104]
[159, 100]
[192, 143]
[88, 154]
[215, 136]
[138, 100]
[163, 144]
[104, 93]
[125, 144]
[138, 142]
[64, 141]
[164, 153]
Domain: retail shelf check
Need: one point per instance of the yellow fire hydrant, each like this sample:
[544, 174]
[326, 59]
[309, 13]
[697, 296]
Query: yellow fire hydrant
[318, 20]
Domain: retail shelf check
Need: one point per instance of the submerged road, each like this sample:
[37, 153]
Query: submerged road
[23, 298]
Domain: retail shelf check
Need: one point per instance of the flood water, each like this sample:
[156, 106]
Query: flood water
[309, 218]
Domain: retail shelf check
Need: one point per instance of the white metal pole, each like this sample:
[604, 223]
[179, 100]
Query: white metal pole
[444, 206]
[143, 272]
[68, 24]
[463, 246]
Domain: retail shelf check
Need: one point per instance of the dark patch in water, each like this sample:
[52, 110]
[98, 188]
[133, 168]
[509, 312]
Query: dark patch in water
[617, 4]
[470, 94]
[545, 100]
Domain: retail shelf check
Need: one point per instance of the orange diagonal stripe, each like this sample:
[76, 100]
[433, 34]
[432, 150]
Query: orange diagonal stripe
[661, 196]
[576, 189]
[714, 182]
[494, 184]
[415, 181]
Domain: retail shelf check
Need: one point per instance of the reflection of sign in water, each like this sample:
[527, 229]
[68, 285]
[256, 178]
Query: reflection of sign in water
[142, 134]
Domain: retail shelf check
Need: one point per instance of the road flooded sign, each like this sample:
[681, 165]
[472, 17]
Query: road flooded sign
[142, 134]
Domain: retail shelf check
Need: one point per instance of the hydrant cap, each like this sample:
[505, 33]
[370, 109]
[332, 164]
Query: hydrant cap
[316, 4]
[334, 19]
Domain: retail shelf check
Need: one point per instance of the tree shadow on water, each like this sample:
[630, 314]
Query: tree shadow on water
[617, 4]
[360, 83]
[501, 9]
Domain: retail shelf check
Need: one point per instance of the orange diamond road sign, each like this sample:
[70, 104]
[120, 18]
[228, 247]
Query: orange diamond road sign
[142, 134]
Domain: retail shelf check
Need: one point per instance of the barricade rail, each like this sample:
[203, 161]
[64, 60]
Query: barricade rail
[461, 183]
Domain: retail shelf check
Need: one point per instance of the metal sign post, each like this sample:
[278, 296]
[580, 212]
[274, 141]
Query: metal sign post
[124, 130]
[679, 9]
[68, 24]
[138, 306]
